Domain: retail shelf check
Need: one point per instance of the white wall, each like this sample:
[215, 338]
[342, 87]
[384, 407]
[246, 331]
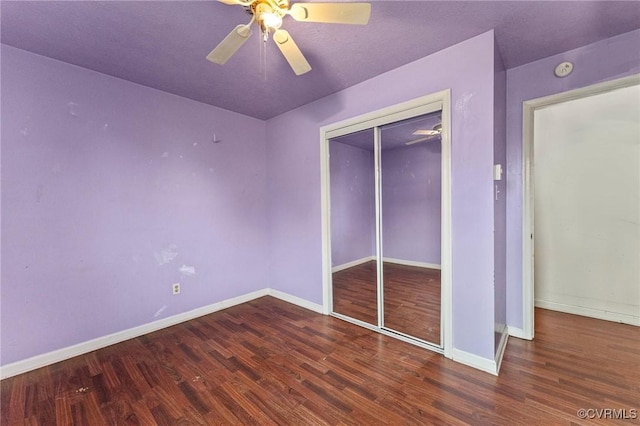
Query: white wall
[587, 206]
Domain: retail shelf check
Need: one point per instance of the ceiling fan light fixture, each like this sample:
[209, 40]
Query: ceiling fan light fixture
[271, 20]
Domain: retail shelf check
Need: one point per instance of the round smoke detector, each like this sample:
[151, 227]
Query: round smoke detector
[564, 69]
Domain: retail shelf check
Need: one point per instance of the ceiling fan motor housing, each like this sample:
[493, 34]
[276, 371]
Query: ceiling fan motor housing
[267, 6]
[282, 4]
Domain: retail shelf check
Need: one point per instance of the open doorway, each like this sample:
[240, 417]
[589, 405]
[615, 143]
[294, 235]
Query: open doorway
[582, 203]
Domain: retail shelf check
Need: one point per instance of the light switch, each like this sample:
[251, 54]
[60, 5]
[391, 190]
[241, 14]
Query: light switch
[497, 172]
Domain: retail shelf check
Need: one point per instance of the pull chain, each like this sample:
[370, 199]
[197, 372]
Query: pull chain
[263, 54]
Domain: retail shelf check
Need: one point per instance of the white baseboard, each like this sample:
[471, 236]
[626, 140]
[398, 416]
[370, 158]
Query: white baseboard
[385, 259]
[485, 364]
[52, 357]
[517, 332]
[412, 263]
[295, 300]
[502, 347]
[589, 312]
[38, 361]
[352, 263]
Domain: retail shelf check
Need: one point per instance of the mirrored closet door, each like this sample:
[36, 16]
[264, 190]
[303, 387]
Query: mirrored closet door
[410, 163]
[385, 208]
[353, 226]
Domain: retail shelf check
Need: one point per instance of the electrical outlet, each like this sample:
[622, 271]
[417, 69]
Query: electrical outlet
[176, 288]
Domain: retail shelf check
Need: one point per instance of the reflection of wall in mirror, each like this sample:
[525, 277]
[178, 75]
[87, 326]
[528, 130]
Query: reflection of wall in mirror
[411, 192]
[352, 204]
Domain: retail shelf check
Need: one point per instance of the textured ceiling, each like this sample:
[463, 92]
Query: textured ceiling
[163, 44]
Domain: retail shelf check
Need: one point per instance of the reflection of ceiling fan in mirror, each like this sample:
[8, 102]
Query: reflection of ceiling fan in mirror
[268, 15]
[428, 134]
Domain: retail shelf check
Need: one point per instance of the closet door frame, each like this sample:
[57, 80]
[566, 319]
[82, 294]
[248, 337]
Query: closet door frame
[439, 101]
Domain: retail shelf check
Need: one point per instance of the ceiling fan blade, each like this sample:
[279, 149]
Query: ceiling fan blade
[232, 2]
[425, 139]
[332, 13]
[230, 45]
[426, 132]
[291, 52]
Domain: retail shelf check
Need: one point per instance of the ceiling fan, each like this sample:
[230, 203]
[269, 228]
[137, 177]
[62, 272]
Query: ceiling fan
[427, 133]
[268, 15]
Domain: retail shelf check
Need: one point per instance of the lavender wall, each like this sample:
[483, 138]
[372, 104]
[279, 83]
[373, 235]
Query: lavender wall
[411, 192]
[606, 60]
[293, 169]
[353, 209]
[111, 192]
[500, 199]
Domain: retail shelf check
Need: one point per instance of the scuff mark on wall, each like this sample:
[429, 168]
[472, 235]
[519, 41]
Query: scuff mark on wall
[166, 255]
[24, 129]
[39, 192]
[462, 104]
[159, 311]
[73, 109]
[187, 270]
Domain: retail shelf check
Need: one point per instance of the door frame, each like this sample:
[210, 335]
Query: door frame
[412, 108]
[528, 232]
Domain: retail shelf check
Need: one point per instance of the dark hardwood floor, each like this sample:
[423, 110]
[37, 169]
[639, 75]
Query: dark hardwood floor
[412, 301]
[411, 298]
[355, 292]
[269, 362]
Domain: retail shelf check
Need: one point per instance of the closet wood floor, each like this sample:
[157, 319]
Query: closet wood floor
[269, 362]
[411, 295]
